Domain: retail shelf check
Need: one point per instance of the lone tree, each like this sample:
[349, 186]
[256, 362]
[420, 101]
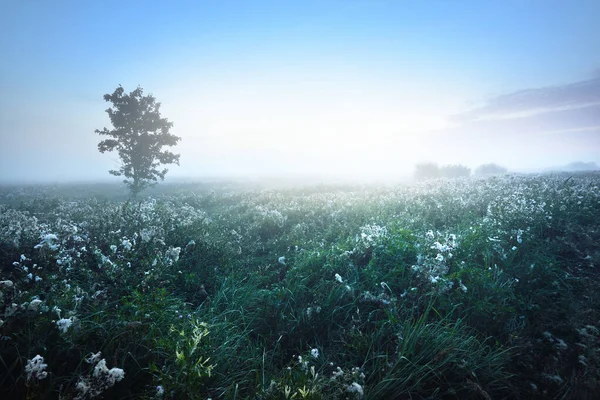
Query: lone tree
[139, 135]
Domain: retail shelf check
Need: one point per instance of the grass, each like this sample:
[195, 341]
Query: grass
[447, 289]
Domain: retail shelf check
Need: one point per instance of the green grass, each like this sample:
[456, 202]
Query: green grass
[507, 309]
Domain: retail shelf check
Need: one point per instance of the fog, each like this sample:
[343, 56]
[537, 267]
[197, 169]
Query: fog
[359, 90]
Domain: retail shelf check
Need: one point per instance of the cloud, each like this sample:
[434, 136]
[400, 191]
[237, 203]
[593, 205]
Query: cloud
[528, 102]
[525, 129]
[582, 118]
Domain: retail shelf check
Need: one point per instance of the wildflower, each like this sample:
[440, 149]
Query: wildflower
[47, 240]
[440, 247]
[173, 254]
[37, 279]
[314, 353]
[34, 305]
[429, 235]
[514, 248]
[111, 376]
[337, 372]
[190, 246]
[126, 243]
[115, 375]
[355, 388]
[6, 284]
[83, 386]
[462, 286]
[64, 324]
[160, 390]
[14, 307]
[281, 260]
[439, 258]
[35, 368]
[339, 278]
[93, 357]
[113, 248]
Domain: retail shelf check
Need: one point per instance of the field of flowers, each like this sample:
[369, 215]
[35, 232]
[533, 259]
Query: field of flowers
[462, 289]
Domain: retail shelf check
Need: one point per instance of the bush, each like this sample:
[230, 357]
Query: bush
[427, 171]
[455, 171]
[490, 169]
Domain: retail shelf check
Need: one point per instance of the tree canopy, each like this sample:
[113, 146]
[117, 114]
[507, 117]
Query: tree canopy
[139, 135]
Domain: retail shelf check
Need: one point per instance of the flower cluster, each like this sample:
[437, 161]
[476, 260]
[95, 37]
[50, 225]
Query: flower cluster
[99, 379]
[36, 368]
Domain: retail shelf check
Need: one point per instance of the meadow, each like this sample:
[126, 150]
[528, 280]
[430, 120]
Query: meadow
[444, 289]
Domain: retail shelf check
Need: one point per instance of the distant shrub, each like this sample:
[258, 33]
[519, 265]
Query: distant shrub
[431, 171]
[490, 169]
[455, 171]
[427, 171]
[580, 166]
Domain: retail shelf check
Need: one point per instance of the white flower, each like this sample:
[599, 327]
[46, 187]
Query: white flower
[100, 368]
[190, 246]
[519, 236]
[6, 284]
[462, 286]
[35, 368]
[126, 243]
[315, 353]
[64, 324]
[11, 310]
[440, 247]
[281, 260]
[429, 235]
[115, 375]
[355, 388]
[514, 248]
[113, 247]
[173, 254]
[35, 304]
[439, 258]
[93, 357]
[47, 240]
[83, 386]
[339, 278]
[160, 390]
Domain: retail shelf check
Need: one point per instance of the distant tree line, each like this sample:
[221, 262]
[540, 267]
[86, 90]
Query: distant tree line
[431, 170]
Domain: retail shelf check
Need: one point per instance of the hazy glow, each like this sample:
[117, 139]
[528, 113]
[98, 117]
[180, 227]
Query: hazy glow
[358, 88]
[303, 126]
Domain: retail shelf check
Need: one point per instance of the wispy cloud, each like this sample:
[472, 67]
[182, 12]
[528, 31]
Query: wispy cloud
[550, 102]
[551, 125]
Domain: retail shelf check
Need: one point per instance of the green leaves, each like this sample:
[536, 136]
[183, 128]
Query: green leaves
[138, 136]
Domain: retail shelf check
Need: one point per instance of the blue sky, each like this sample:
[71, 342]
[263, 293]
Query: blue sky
[301, 87]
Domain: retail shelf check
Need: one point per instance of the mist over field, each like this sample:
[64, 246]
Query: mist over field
[277, 200]
[352, 89]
